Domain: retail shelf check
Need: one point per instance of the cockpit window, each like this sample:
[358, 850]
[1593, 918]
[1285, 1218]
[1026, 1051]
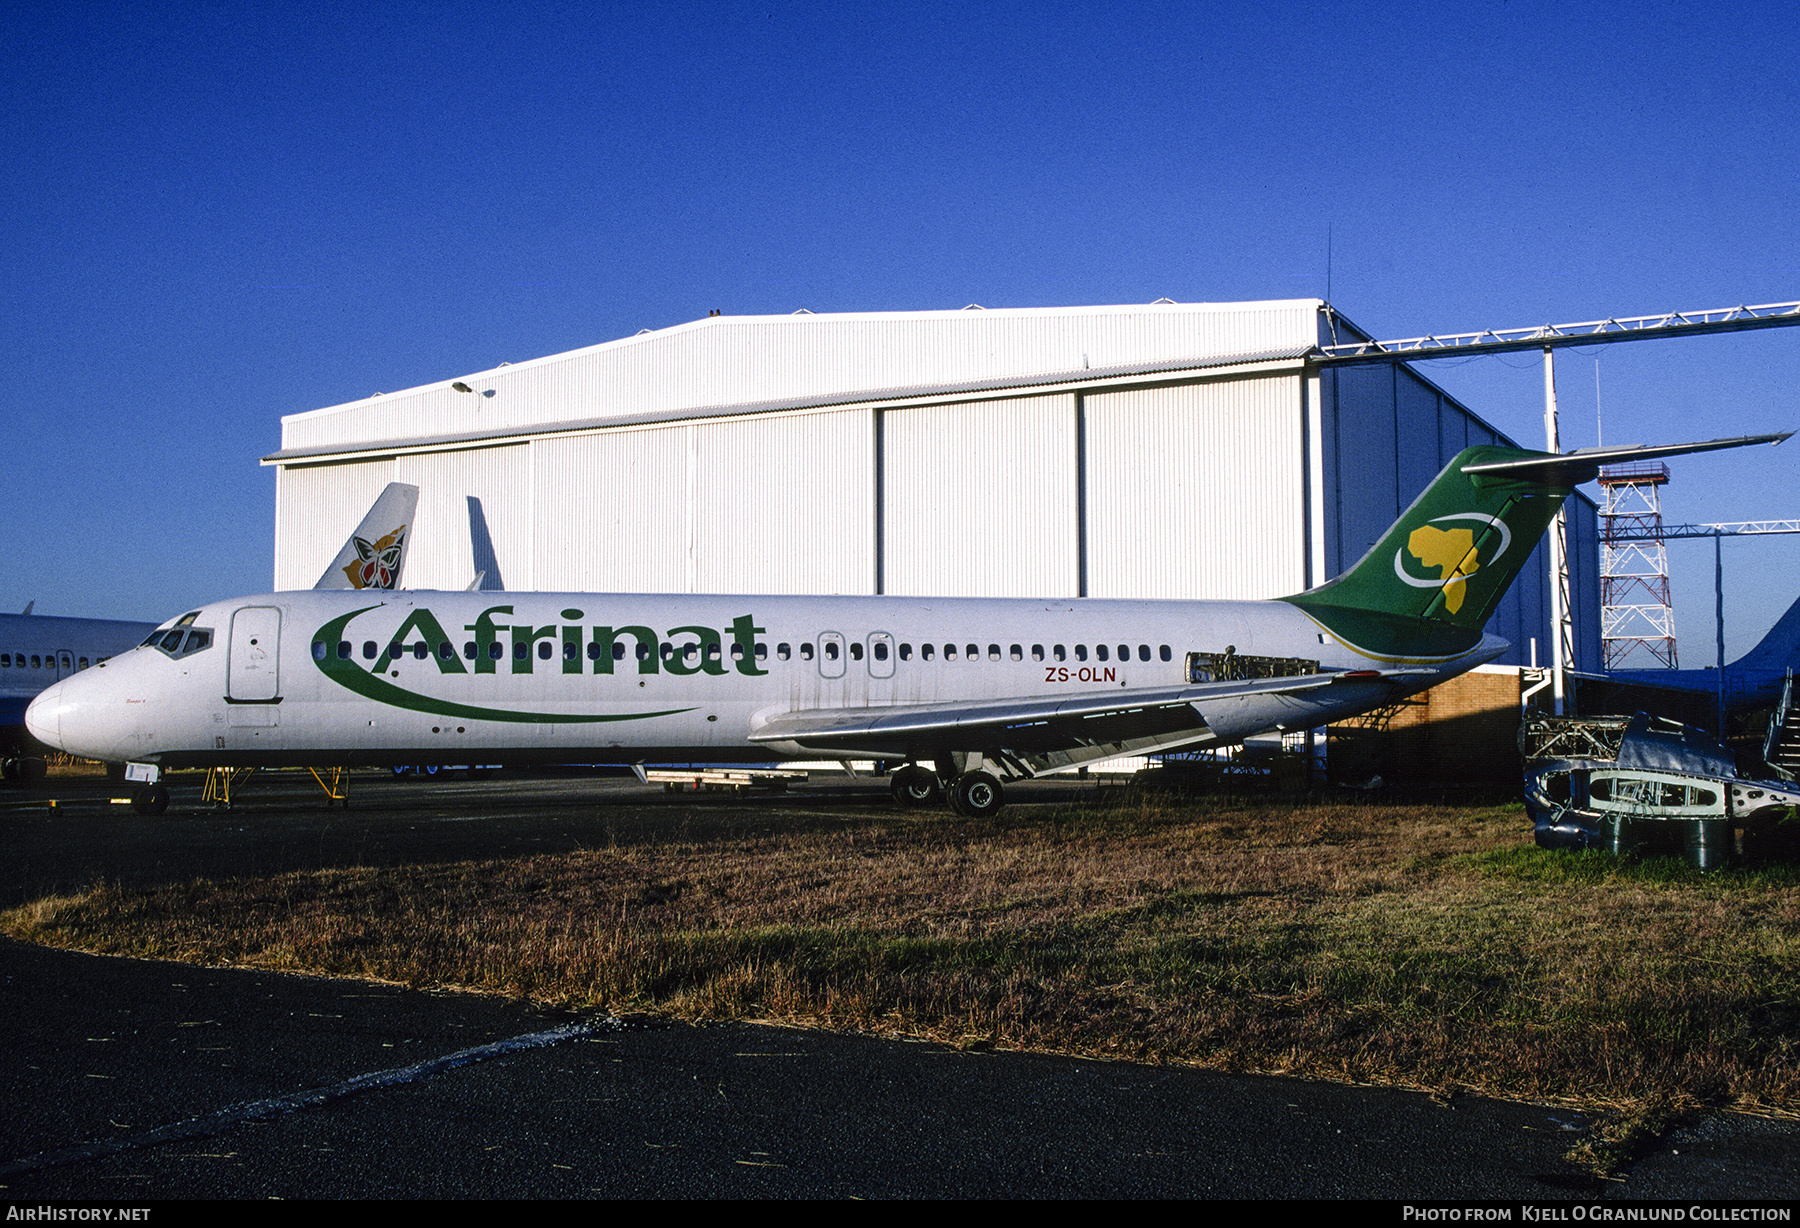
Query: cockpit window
[182, 640]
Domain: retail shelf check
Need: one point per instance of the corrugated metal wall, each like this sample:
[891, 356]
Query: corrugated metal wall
[981, 499]
[1197, 490]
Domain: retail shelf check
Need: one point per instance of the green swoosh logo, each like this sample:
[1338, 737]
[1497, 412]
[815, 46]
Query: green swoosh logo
[352, 677]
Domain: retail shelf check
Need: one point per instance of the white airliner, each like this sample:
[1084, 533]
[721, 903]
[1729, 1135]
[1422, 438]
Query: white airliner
[984, 690]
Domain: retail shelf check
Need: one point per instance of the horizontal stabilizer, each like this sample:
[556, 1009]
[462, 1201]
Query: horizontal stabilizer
[1583, 464]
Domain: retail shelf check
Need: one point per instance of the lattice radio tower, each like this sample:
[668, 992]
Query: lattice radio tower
[1635, 613]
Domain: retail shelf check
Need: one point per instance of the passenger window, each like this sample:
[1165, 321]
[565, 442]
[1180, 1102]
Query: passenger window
[880, 651]
[318, 650]
[1124, 652]
[831, 652]
[1037, 652]
[468, 650]
[806, 651]
[81, 663]
[36, 661]
[593, 650]
[1081, 652]
[1100, 652]
[762, 652]
[737, 651]
[496, 650]
[712, 652]
[783, 651]
[643, 651]
[570, 652]
[5, 660]
[1018, 654]
[446, 651]
[343, 652]
[1143, 652]
[519, 650]
[949, 652]
[369, 650]
[1056, 650]
[421, 650]
[1165, 653]
[972, 652]
[906, 652]
[925, 651]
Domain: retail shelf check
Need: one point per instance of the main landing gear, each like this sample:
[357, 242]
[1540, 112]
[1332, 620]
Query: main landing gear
[974, 795]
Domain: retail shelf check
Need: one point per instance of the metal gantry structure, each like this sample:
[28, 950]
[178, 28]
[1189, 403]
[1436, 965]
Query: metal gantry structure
[1553, 336]
[1637, 618]
[1549, 338]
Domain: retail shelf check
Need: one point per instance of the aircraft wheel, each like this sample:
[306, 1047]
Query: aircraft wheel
[914, 787]
[977, 795]
[33, 768]
[150, 799]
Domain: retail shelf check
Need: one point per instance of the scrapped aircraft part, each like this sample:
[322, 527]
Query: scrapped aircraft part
[1641, 785]
[1571, 737]
[976, 795]
[915, 788]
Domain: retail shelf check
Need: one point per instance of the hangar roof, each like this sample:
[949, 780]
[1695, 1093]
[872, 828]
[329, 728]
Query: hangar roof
[750, 364]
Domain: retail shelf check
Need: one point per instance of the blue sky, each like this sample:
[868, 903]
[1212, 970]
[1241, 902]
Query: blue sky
[217, 214]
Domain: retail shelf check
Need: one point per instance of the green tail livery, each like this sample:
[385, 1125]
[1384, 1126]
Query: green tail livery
[1428, 587]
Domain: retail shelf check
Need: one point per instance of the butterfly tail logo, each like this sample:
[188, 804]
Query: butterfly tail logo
[377, 564]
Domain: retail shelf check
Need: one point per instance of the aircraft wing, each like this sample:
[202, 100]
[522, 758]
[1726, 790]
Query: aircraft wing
[1038, 724]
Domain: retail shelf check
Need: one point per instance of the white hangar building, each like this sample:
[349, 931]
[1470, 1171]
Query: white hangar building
[1183, 450]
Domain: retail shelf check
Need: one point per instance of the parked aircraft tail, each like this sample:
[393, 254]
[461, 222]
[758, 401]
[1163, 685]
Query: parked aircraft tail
[1428, 587]
[376, 551]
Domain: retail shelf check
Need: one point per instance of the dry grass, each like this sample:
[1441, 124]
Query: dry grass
[1429, 947]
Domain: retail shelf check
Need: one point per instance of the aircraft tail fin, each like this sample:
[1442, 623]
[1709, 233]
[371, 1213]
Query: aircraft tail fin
[1777, 650]
[1430, 584]
[376, 551]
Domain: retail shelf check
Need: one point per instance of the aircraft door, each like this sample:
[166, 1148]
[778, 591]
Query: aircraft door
[881, 655]
[831, 654]
[255, 655]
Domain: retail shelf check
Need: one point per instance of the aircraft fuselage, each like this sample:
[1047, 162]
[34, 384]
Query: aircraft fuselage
[348, 678]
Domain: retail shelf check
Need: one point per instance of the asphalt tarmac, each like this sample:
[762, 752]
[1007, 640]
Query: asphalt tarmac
[144, 1080]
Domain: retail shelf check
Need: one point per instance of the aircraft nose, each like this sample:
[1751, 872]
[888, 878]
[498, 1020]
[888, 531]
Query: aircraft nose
[65, 716]
[43, 716]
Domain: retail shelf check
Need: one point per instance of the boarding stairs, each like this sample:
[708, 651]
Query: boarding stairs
[1781, 746]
